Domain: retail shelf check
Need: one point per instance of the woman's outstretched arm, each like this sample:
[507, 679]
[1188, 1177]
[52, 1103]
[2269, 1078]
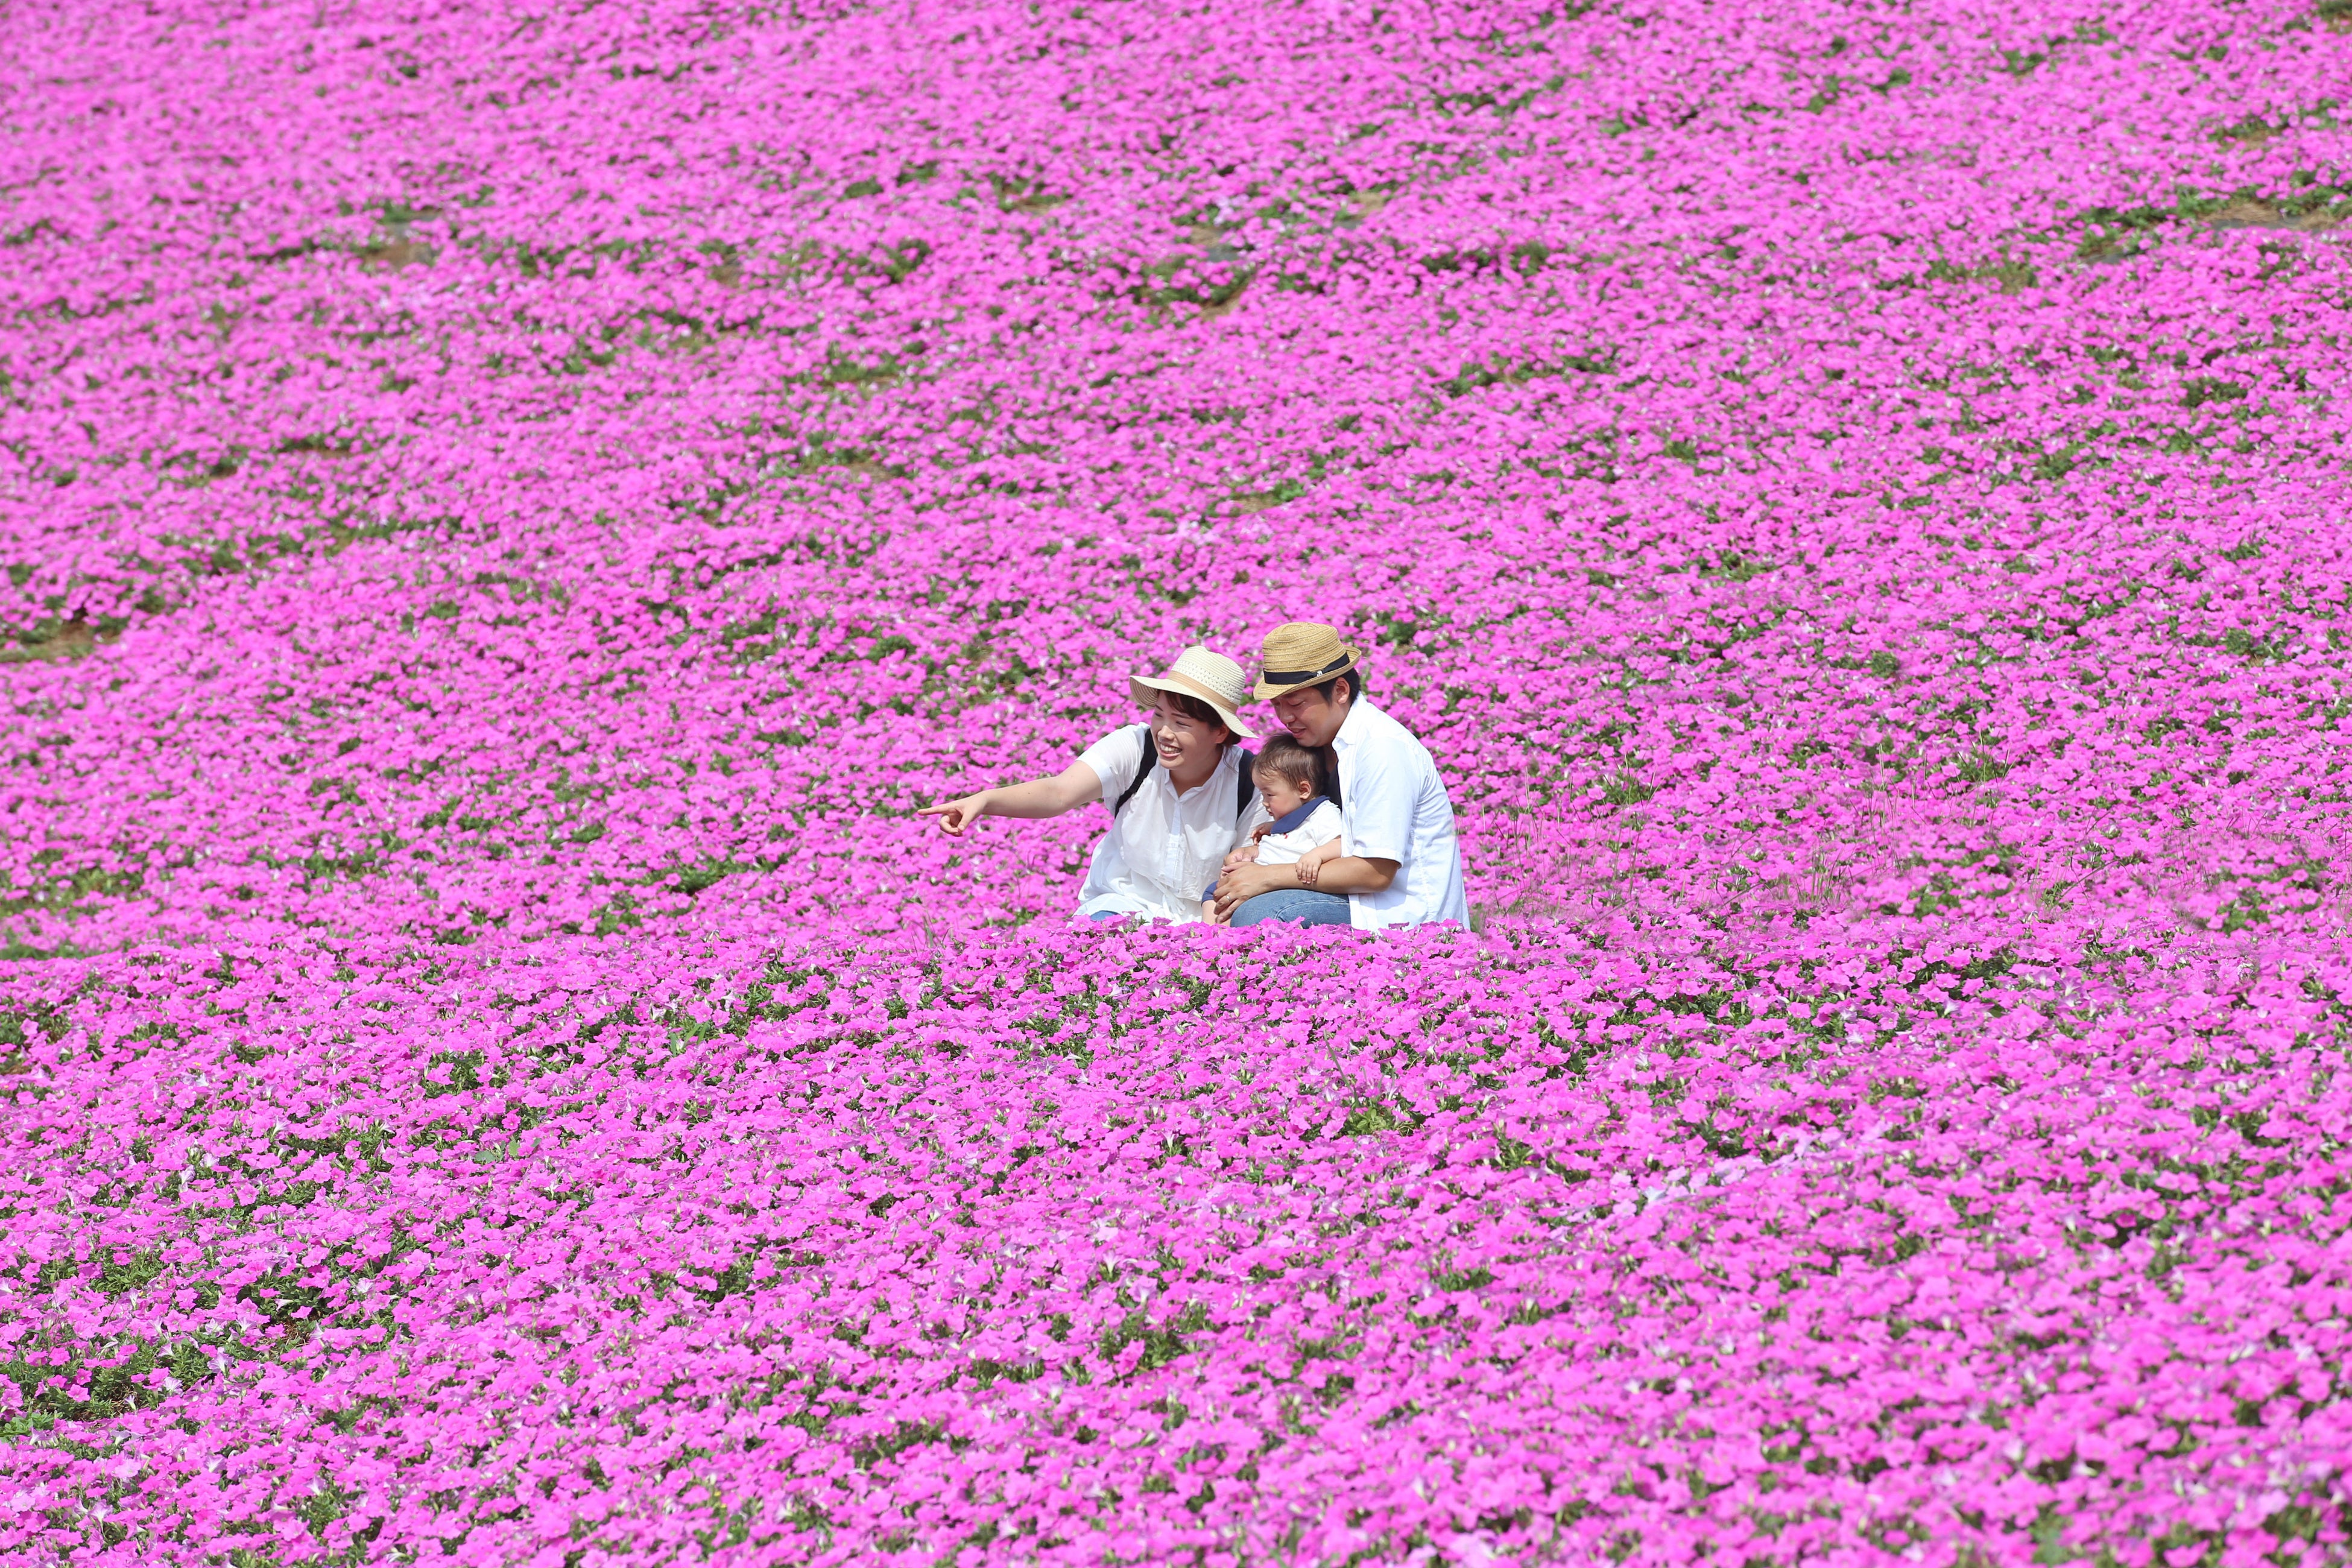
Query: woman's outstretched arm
[1073, 786]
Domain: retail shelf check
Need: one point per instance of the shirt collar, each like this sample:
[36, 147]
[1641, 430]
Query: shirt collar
[1352, 727]
[1290, 819]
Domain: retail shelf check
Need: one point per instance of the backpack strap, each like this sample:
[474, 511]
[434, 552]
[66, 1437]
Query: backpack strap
[1150, 760]
[1245, 790]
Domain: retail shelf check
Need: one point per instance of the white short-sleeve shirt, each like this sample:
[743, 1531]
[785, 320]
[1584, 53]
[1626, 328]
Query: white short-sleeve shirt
[1163, 848]
[1397, 809]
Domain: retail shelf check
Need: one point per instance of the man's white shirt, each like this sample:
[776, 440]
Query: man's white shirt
[1397, 809]
[1163, 848]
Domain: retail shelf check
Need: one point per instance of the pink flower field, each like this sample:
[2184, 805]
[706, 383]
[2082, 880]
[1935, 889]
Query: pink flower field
[508, 510]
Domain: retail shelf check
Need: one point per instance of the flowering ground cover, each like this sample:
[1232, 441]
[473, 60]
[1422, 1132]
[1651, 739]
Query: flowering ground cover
[507, 513]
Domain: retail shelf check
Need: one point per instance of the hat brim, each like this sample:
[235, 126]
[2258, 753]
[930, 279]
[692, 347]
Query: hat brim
[1268, 690]
[1141, 688]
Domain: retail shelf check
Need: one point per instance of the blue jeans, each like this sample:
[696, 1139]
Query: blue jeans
[1297, 905]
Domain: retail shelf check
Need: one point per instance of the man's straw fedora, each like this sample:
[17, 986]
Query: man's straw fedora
[1302, 654]
[1211, 676]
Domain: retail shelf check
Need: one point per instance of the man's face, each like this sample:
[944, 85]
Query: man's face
[1312, 718]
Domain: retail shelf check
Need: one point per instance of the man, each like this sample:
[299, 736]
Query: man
[1404, 865]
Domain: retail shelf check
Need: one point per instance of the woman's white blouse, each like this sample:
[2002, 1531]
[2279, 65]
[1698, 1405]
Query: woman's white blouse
[1163, 848]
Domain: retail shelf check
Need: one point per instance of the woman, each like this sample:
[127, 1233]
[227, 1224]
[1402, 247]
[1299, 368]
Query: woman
[1179, 788]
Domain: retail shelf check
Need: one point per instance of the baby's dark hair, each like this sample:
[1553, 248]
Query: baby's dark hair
[1286, 759]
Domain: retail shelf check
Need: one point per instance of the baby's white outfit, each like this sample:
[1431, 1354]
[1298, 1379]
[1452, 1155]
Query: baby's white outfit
[1290, 835]
[1294, 833]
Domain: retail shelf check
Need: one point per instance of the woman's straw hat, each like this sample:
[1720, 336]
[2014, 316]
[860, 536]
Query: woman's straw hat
[1304, 653]
[1211, 676]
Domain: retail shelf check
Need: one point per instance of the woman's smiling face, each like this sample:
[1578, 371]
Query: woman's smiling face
[1187, 746]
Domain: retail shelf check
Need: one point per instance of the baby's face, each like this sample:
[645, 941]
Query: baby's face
[1281, 794]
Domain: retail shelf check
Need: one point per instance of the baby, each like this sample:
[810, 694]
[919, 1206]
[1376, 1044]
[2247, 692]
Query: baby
[1306, 829]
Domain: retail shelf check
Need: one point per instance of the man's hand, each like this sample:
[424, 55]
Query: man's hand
[1240, 883]
[955, 815]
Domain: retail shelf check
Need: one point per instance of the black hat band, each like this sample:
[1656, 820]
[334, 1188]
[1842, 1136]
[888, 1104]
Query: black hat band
[1301, 677]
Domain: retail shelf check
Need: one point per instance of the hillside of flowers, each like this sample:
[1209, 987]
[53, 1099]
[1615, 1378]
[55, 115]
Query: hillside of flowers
[508, 512]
